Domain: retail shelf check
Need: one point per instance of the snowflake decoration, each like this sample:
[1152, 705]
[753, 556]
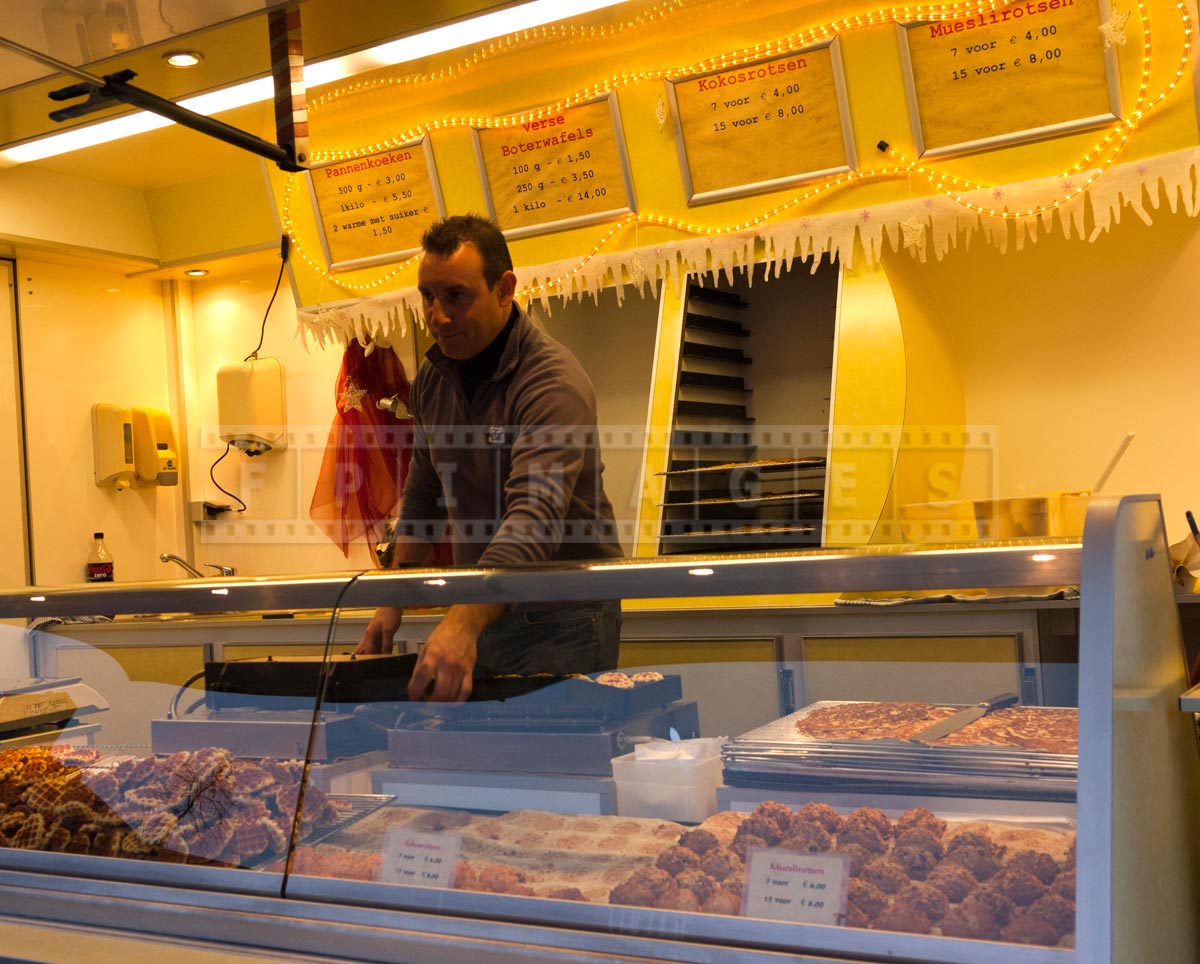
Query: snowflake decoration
[1141, 170]
[351, 397]
[1113, 29]
[1069, 187]
[635, 270]
[998, 193]
[864, 214]
[914, 234]
[660, 112]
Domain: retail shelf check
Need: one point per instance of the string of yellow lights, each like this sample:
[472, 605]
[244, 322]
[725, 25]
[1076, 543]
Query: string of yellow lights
[952, 186]
[382, 79]
[719, 62]
[1103, 153]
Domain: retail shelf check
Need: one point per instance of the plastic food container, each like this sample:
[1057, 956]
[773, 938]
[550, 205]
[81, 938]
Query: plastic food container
[673, 789]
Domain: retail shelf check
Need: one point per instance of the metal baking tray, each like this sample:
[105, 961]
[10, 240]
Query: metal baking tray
[359, 806]
[759, 465]
[777, 747]
[806, 495]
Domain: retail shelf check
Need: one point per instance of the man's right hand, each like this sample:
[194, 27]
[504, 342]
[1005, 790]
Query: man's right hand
[380, 634]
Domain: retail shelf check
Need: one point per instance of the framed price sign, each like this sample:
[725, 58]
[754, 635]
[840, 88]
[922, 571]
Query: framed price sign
[374, 209]
[558, 171]
[764, 125]
[1023, 71]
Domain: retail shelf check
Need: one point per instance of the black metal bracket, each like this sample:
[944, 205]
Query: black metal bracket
[116, 89]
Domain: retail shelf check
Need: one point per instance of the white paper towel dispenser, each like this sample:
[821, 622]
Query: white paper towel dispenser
[112, 445]
[251, 405]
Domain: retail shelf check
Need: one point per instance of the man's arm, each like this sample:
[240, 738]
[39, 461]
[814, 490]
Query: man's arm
[443, 673]
[380, 634]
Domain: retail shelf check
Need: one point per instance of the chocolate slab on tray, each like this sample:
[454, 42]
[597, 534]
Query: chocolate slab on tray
[1024, 752]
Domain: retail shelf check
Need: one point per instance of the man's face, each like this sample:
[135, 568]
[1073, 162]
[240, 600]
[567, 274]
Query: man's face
[463, 313]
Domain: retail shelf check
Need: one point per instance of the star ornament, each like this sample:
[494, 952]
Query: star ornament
[351, 397]
[1113, 29]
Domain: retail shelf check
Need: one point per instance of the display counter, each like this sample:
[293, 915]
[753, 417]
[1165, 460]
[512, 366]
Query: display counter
[750, 783]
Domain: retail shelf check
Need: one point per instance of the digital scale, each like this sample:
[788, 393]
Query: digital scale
[30, 706]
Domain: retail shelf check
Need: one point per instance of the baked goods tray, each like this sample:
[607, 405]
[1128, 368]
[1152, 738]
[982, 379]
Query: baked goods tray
[778, 747]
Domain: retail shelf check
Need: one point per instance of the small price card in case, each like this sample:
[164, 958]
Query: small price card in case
[801, 888]
[419, 859]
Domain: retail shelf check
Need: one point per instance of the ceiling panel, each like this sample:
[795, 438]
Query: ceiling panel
[109, 35]
[84, 33]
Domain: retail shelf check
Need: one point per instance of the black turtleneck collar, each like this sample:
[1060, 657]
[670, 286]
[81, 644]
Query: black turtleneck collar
[473, 371]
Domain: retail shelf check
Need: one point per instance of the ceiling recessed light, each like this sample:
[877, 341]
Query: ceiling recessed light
[196, 272]
[183, 58]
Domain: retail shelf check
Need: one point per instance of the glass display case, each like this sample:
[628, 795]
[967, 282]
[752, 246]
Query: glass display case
[209, 760]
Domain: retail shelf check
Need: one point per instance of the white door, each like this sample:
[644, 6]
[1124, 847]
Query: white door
[14, 559]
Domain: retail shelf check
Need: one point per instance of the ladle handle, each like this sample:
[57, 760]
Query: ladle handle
[1112, 464]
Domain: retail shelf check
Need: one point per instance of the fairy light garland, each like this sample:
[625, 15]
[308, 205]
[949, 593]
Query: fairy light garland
[1122, 132]
[948, 185]
[502, 45]
[719, 62]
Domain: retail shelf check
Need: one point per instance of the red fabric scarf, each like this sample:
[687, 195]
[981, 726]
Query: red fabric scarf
[368, 452]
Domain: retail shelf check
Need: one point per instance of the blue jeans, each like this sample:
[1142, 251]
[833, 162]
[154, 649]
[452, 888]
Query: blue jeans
[551, 638]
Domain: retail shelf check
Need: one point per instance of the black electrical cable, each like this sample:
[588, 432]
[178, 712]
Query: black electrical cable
[173, 709]
[228, 446]
[262, 333]
[318, 708]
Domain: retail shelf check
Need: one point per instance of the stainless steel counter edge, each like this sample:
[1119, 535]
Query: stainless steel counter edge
[1025, 563]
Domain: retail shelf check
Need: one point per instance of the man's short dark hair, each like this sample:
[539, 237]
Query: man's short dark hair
[443, 238]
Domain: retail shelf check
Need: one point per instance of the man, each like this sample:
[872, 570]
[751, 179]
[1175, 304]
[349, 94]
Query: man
[505, 453]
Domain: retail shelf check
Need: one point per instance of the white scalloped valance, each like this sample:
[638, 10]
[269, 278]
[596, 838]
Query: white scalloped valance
[924, 226]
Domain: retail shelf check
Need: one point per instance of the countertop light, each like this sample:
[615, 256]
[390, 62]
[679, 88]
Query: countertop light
[183, 58]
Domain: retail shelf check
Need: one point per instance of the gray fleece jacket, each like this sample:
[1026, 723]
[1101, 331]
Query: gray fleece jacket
[516, 472]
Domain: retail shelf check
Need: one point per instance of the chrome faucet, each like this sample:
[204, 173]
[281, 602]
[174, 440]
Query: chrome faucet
[192, 570]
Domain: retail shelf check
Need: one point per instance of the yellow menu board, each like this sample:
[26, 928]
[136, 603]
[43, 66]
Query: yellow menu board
[763, 125]
[557, 171]
[1023, 71]
[374, 209]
